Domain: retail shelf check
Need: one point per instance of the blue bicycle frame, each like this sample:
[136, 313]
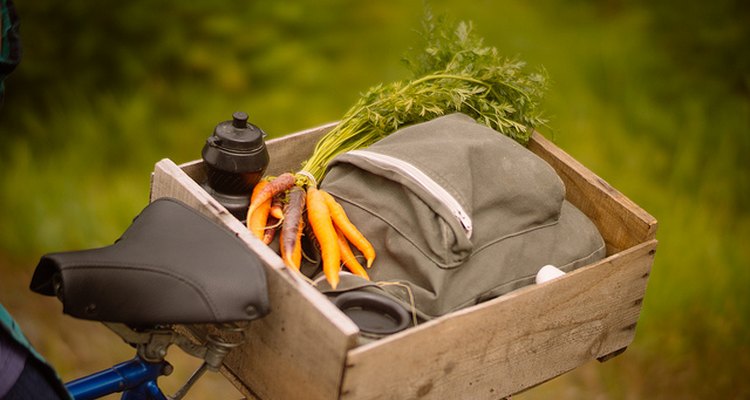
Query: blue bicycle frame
[136, 379]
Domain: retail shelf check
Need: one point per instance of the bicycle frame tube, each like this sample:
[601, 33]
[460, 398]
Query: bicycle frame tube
[135, 378]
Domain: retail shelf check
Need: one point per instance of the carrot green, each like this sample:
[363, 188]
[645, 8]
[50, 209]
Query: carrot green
[454, 72]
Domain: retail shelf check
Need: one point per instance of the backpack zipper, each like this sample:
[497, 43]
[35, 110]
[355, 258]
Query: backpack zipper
[424, 181]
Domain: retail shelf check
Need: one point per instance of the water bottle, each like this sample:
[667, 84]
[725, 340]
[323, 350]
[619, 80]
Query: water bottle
[236, 158]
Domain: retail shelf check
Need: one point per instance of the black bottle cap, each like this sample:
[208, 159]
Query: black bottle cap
[236, 146]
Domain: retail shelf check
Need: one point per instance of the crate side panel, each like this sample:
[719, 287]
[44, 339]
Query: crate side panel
[288, 152]
[621, 222]
[195, 170]
[293, 347]
[514, 342]
[303, 340]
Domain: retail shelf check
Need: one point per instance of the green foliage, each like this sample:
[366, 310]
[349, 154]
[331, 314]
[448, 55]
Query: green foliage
[454, 72]
[477, 79]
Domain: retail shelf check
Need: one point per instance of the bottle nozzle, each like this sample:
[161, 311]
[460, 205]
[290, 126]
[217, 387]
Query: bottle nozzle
[239, 120]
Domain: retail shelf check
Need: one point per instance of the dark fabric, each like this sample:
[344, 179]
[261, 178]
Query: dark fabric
[10, 51]
[12, 359]
[12, 331]
[509, 198]
[33, 384]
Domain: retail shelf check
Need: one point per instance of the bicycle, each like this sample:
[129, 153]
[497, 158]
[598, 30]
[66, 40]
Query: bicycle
[171, 269]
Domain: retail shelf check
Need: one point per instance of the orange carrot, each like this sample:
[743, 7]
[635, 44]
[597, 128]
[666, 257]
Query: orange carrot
[297, 251]
[338, 215]
[256, 221]
[276, 185]
[277, 208]
[291, 225]
[348, 257]
[320, 221]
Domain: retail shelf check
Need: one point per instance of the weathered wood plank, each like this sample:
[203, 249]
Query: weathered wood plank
[621, 222]
[503, 346]
[303, 329]
[288, 152]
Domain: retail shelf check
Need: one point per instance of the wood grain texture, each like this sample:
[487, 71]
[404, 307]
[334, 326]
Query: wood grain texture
[306, 347]
[621, 222]
[303, 329]
[506, 345]
[290, 151]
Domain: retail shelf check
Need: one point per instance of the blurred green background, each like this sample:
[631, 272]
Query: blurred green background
[653, 96]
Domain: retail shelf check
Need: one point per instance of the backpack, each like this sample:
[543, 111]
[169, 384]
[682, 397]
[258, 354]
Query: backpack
[458, 214]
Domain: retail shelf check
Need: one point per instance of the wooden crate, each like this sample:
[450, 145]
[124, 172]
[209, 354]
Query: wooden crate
[306, 346]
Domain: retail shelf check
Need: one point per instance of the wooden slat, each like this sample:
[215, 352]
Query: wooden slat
[303, 329]
[621, 222]
[288, 152]
[506, 345]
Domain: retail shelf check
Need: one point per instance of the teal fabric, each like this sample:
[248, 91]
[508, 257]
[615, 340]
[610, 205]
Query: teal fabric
[10, 51]
[515, 200]
[10, 56]
[10, 326]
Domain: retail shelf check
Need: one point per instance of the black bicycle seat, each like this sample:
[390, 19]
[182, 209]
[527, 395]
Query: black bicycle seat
[172, 265]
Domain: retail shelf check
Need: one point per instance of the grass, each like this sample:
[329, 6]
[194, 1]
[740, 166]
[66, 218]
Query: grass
[73, 174]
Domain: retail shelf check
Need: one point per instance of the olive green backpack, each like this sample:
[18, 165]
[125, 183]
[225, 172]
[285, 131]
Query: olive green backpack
[458, 214]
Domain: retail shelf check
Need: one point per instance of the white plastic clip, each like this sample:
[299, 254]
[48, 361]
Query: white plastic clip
[548, 273]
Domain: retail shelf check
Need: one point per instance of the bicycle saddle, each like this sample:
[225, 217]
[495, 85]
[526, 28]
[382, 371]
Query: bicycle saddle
[172, 265]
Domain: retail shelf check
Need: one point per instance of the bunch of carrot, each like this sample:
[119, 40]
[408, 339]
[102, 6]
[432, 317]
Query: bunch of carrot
[287, 201]
[455, 72]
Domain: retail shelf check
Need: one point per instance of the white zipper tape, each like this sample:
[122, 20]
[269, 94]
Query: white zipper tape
[424, 181]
